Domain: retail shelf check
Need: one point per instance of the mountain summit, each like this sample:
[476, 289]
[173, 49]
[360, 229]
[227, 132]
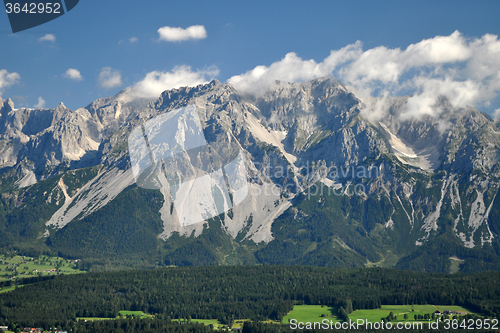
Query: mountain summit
[326, 185]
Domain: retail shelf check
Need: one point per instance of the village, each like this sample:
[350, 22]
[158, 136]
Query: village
[450, 313]
[13, 267]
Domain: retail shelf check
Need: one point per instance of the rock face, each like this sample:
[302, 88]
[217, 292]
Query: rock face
[398, 184]
[43, 139]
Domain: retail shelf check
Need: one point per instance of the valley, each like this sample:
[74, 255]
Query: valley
[243, 296]
[252, 167]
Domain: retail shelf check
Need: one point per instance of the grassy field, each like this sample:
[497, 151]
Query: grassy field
[452, 308]
[6, 289]
[132, 313]
[18, 267]
[213, 322]
[400, 310]
[316, 313]
[135, 313]
[238, 323]
[311, 313]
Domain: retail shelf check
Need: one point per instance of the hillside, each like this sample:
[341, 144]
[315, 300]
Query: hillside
[299, 175]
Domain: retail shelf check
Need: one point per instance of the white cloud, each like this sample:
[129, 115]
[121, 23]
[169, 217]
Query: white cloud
[172, 34]
[47, 38]
[7, 79]
[466, 70]
[110, 78]
[496, 114]
[73, 74]
[292, 69]
[156, 82]
[40, 104]
[131, 40]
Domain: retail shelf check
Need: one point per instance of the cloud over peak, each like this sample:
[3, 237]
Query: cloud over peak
[157, 82]
[466, 70]
[172, 34]
[40, 104]
[7, 79]
[109, 78]
[292, 69]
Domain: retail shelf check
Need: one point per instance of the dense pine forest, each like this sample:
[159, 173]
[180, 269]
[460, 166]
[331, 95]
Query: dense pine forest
[226, 293]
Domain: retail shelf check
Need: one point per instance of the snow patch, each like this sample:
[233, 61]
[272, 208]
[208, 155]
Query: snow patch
[274, 137]
[426, 159]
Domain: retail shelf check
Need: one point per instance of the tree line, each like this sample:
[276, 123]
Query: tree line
[255, 292]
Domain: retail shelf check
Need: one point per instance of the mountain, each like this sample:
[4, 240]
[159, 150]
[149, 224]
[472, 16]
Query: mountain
[299, 175]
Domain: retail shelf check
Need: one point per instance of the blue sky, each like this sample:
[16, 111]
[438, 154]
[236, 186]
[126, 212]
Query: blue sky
[102, 47]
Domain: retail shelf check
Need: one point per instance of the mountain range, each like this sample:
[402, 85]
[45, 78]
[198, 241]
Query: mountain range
[328, 184]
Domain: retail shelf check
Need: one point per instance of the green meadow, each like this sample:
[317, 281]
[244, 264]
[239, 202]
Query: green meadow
[132, 313]
[311, 313]
[213, 322]
[6, 289]
[316, 313]
[18, 267]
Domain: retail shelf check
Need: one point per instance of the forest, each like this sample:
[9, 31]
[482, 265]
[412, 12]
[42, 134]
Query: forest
[258, 293]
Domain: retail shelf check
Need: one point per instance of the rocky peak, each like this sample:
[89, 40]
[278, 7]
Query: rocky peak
[319, 103]
[6, 106]
[213, 91]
